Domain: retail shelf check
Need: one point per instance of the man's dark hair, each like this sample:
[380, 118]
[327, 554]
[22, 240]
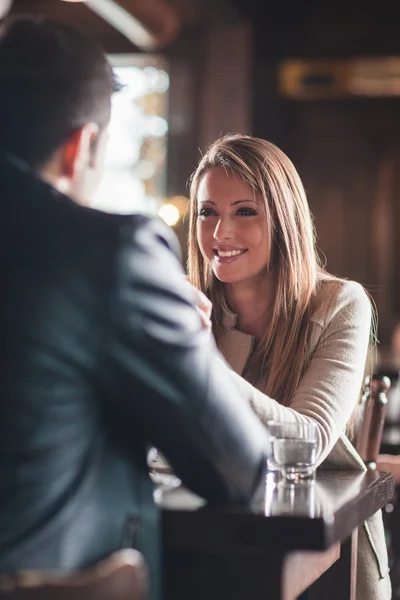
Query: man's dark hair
[53, 80]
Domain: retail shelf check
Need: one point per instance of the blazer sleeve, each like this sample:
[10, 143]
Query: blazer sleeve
[330, 388]
[168, 370]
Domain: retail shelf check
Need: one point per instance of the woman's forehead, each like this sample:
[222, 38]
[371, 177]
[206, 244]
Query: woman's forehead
[218, 185]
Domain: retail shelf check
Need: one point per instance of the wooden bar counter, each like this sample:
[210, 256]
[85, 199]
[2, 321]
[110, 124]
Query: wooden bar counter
[275, 548]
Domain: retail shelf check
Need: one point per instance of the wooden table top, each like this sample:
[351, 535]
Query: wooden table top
[303, 517]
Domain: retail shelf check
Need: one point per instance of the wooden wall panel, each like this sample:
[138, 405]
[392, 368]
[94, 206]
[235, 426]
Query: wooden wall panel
[346, 150]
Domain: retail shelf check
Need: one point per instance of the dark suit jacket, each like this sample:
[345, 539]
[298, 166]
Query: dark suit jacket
[102, 354]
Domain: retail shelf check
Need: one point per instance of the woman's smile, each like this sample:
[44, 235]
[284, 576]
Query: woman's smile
[228, 254]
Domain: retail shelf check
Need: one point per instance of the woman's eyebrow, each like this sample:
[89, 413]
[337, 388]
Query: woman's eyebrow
[241, 201]
[232, 204]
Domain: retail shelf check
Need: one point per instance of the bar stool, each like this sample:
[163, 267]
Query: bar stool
[371, 419]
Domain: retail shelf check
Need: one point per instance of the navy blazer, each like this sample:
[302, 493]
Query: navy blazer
[102, 354]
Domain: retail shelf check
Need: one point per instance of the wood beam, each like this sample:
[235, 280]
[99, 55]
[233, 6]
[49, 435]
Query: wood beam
[148, 25]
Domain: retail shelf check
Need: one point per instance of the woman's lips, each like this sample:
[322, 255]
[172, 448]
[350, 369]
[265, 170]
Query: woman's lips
[223, 260]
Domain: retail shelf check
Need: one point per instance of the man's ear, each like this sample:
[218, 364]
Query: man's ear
[77, 151]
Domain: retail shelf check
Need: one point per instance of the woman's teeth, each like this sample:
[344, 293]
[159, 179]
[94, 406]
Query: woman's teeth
[230, 253]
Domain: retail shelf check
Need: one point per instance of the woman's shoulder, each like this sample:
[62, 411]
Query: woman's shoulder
[340, 297]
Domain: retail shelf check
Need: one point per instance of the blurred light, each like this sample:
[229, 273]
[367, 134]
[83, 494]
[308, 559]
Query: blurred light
[74, 0]
[145, 169]
[157, 126]
[163, 82]
[170, 214]
[181, 203]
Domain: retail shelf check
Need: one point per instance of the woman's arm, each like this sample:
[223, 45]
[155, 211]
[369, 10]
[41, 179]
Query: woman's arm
[331, 385]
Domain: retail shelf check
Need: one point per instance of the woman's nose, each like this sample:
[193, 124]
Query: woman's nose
[223, 229]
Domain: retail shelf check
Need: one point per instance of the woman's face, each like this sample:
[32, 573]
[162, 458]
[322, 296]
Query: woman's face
[232, 228]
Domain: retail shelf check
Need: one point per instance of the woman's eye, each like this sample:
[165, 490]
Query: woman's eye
[206, 212]
[246, 212]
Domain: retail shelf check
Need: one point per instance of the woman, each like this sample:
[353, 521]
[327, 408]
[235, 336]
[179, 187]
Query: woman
[295, 336]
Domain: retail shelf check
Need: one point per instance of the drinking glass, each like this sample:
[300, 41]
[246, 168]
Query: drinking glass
[288, 499]
[294, 449]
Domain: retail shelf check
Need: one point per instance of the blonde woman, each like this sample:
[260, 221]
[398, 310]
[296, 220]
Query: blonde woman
[295, 336]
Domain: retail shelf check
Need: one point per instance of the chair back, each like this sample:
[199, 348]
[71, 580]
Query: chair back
[121, 576]
[371, 419]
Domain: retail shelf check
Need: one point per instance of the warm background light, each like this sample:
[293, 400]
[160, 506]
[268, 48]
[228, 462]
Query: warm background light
[170, 214]
[174, 210]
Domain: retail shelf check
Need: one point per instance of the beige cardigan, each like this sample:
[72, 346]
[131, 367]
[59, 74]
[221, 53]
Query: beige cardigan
[327, 395]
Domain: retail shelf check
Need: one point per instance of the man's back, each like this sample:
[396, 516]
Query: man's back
[102, 355]
[57, 276]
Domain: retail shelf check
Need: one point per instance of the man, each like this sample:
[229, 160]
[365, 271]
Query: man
[103, 353]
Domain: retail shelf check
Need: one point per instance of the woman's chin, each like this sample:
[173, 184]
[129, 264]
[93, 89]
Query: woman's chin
[236, 276]
[227, 277]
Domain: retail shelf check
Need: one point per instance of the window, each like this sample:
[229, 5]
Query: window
[135, 164]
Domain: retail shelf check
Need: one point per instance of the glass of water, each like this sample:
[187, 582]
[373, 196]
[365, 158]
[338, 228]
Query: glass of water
[294, 449]
[288, 499]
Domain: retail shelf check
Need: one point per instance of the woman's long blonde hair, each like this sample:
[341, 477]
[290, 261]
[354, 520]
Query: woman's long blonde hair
[282, 356]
